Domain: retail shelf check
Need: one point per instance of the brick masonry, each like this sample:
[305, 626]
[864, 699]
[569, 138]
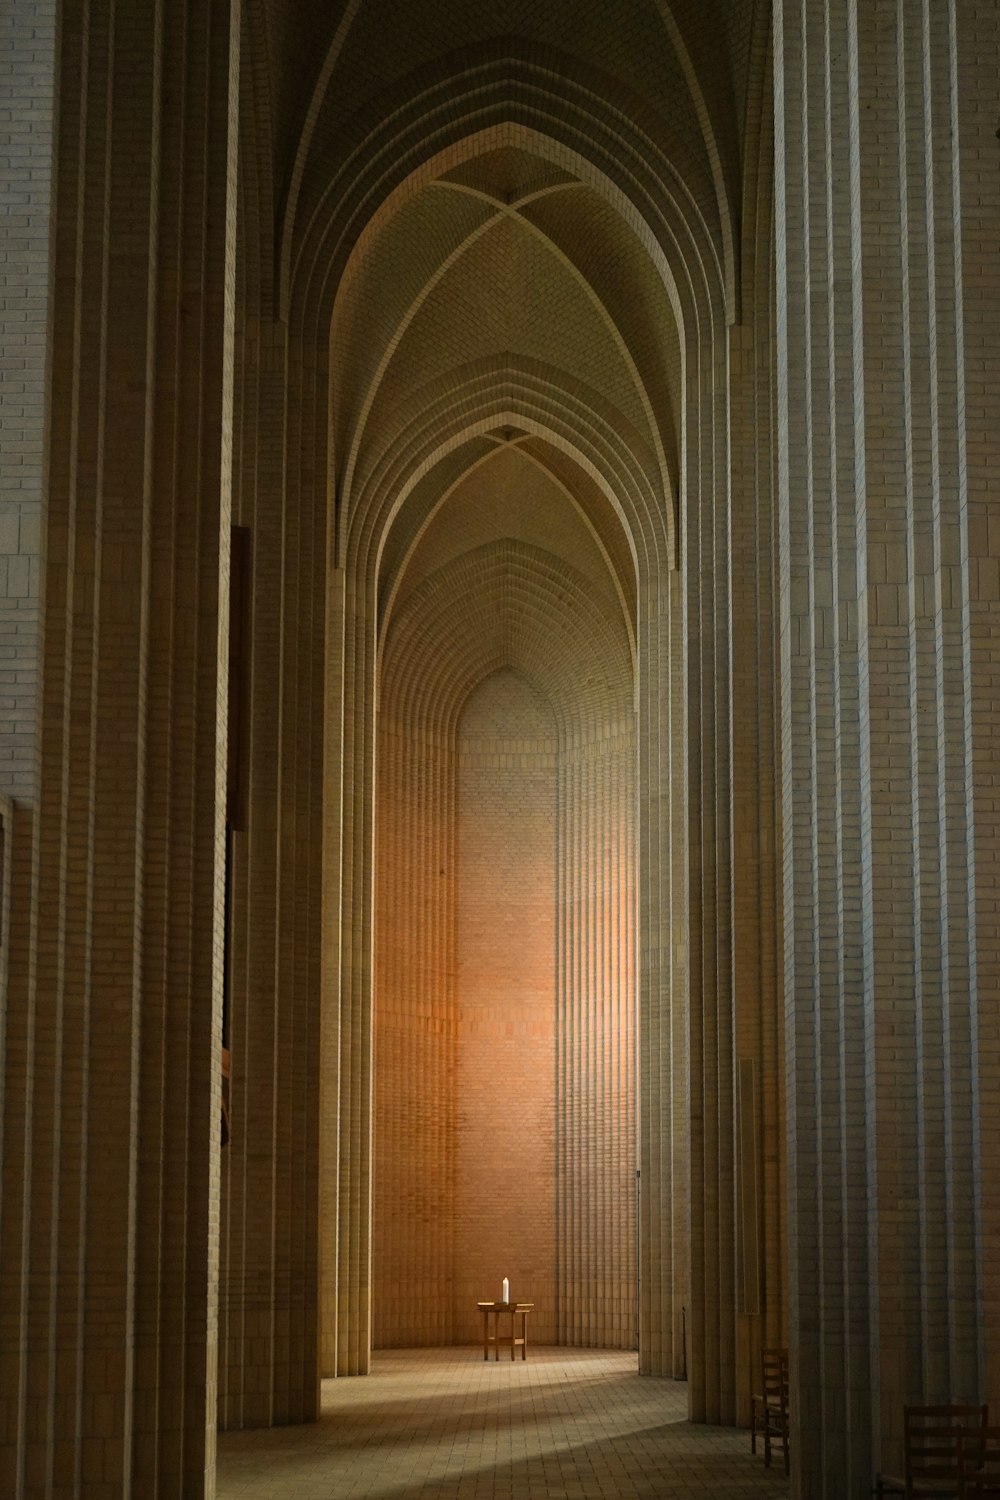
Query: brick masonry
[646, 353]
[883, 845]
[504, 980]
[27, 122]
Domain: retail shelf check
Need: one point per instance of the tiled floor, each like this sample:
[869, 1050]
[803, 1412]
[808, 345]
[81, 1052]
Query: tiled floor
[443, 1425]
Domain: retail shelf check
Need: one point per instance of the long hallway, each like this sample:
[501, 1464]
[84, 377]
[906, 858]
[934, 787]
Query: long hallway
[440, 1424]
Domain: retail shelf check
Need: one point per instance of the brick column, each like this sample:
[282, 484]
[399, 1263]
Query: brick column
[28, 46]
[877, 695]
[708, 671]
[662, 961]
[757, 1028]
[27, 121]
[269, 1369]
[346, 1086]
[113, 1310]
[976, 200]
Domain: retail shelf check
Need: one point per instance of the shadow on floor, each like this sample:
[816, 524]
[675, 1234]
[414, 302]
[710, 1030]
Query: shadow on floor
[432, 1425]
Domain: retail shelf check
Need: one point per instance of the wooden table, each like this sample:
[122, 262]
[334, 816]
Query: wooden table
[498, 1309]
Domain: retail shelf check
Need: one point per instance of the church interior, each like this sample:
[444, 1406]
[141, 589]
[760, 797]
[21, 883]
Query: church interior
[500, 775]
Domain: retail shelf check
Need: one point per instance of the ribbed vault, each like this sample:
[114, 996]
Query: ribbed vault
[508, 605]
[493, 284]
[502, 256]
[527, 492]
[492, 398]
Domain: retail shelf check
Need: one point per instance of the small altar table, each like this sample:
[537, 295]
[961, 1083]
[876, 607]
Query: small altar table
[496, 1310]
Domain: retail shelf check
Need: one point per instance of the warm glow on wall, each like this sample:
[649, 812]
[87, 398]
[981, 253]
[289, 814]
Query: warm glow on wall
[504, 986]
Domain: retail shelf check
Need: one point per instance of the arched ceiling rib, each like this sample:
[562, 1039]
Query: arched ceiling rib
[508, 216]
[504, 252]
[682, 58]
[507, 605]
[488, 396]
[500, 97]
[555, 273]
[506, 298]
[500, 486]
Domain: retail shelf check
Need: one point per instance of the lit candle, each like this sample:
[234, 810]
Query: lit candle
[506, 1290]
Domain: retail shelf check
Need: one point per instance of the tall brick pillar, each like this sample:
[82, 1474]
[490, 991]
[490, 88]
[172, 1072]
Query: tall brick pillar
[977, 65]
[268, 1318]
[346, 1091]
[879, 693]
[27, 123]
[27, 112]
[663, 1016]
[108, 1299]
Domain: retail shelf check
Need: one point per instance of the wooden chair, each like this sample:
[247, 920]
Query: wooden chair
[769, 1406]
[979, 1462]
[931, 1465]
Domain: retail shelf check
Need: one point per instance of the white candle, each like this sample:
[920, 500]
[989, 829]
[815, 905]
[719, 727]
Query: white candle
[506, 1290]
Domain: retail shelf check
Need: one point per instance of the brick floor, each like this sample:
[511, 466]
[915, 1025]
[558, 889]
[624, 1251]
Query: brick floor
[443, 1425]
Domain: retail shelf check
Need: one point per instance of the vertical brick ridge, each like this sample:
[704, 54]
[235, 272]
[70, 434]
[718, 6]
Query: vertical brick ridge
[975, 53]
[596, 1161]
[759, 1116]
[353, 1240]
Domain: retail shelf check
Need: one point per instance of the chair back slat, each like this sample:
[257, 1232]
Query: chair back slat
[932, 1437]
[979, 1462]
[774, 1364]
[770, 1408]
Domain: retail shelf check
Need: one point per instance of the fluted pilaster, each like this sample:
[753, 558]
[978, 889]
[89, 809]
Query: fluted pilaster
[885, 1248]
[110, 1295]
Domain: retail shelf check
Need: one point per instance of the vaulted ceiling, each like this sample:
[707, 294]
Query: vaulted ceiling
[700, 50]
[504, 218]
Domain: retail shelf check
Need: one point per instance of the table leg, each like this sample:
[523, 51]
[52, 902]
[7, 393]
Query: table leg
[524, 1335]
[513, 1331]
[486, 1332]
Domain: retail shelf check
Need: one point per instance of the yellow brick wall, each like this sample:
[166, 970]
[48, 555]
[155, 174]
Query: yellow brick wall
[504, 995]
